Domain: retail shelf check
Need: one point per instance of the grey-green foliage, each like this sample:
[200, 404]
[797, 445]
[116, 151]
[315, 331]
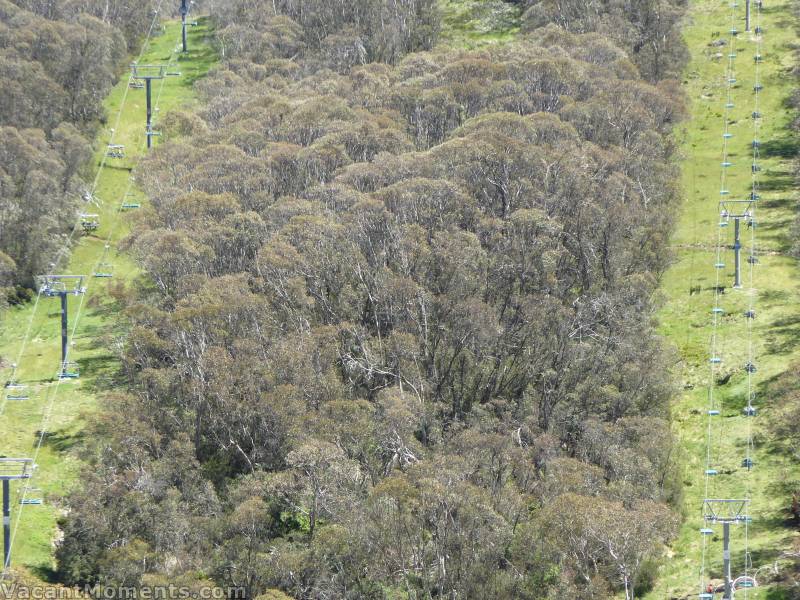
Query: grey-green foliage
[57, 64]
[394, 338]
[131, 17]
[38, 188]
[348, 33]
[649, 30]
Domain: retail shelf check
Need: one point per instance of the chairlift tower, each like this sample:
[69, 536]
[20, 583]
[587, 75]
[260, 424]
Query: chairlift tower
[184, 12]
[747, 16]
[11, 469]
[53, 286]
[148, 74]
[726, 511]
[738, 210]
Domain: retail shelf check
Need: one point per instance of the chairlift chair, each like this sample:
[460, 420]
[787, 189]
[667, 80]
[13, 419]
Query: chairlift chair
[135, 85]
[16, 391]
[90, 222]
[115, 151]
[104, 270]
[749, 411]
[747, 463]
[745, 581]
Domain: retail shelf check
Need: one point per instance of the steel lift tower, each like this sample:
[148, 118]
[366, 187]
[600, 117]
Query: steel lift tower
[727, 512]
[148, 74]
[11, 469]
[738, 210]
[55, 286]
[747, 16]
[184, 12]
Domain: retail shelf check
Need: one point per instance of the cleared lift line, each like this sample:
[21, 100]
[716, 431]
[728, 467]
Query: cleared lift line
[716, 510]
[30, 463]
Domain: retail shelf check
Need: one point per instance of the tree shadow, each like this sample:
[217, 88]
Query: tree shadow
[100, 372]
[774, 203]
[44, 572]
[773, 296]
[787, 335]
[117, 167]
[62, 442]
[778, 232]
[777, 181]
[787, 147]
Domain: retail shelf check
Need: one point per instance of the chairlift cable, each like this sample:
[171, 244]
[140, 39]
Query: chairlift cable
[53, 390]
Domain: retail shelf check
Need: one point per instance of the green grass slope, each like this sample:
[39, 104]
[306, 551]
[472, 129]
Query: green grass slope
[474, 23]
[63, 409]
[686, 317]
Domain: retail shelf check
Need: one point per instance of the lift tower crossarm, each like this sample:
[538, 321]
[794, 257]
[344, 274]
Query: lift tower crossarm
[148, 73]
[726, 511]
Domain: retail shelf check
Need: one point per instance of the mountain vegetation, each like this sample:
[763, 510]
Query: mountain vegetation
[58, 60]
[393, 336]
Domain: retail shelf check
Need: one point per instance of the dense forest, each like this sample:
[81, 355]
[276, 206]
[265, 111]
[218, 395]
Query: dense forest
[393, 336]
[58, 60]
[794, 134]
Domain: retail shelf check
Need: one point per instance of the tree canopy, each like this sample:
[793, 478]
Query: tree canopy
[58, 60]
[394, 332]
